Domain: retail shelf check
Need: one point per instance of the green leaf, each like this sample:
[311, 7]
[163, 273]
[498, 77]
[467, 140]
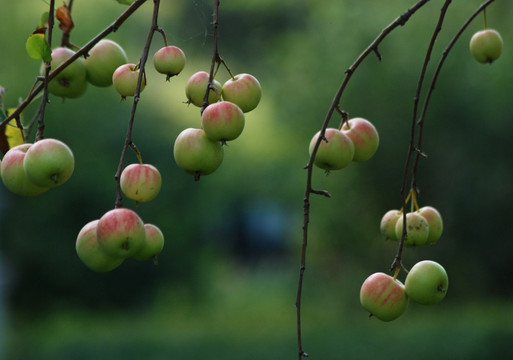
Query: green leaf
[38, 48]
[44, 19]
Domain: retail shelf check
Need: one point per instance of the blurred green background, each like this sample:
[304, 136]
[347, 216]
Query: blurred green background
[226, 282]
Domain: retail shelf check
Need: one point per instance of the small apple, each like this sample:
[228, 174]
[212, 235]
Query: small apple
[196, 88]
[13, 174]
[417, 229]
[104, 58]
[388, 223]
[427, 282]
[486, 45]
[243, 90]
[196, 154]
[49, 163]
[120, 232]
[364, 136]
[335, 152]
[435, 222]
[90, 252]
[169, 60]
[222, 121]
[153, 244]
[384, 297]
[140, 182]
[125, 79]
[70, 82]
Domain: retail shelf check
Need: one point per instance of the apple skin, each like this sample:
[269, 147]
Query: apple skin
[153, 244]
[104, 58]
[384, 297]
[417, 229]
[486, 46]
[90, 253]
[196, 154]
[49, 163]
[13, 174]
[140, 182]
[427, 283]
[222, 121]
[388, 223]
[335, 154]
[364, 136]
[196, 88]
[70, 82]
[243, 90]
[434, 219]
[125, 79]
[169, 60]
[120, 232]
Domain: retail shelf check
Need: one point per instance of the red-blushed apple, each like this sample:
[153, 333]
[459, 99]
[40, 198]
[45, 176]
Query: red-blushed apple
[13, 174]
[364, 136]
[125, 79]
[196, 89]
[388, 223]
[120, 232]
[140, 182]
[427, 283]
[104, 58]
[383, 296]
[434, 219]
[90, 253]
[243, 90]
[417, 229]
[335, 152]
[169, 60]
[486, 45]
[71, 82]
[153, 244]
[49, 163]
[222, 121]
[196, 154]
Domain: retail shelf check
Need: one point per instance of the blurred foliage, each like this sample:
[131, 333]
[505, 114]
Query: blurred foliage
[248, 215]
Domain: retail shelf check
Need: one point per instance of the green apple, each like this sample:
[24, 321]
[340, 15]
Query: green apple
[435, 223]
[243, 90]
[125, 79]
[364, 136]
[486, 45]
[196, 154]
[153, 244]
[49, 163]
[90, 252]
[427, 283]
[388, 223]
[417, 229]
[104, 58]
[196, 89]
[140, 182]
[335, 152]
[70, 82]
[120, 232]
[169, 60]
[383, 296]
[13, 174]
[222, 121]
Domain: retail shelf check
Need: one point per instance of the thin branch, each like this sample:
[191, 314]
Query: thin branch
[372, 48]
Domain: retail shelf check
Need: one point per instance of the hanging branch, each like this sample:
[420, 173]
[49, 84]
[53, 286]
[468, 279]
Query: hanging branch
[142, 76]
[372, 48]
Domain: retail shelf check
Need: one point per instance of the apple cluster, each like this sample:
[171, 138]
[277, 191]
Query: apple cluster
[32, 169]
[357, 140]
[103, 244]
[423, 226]
[387, 298]
[486, 46]
[199, 151]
